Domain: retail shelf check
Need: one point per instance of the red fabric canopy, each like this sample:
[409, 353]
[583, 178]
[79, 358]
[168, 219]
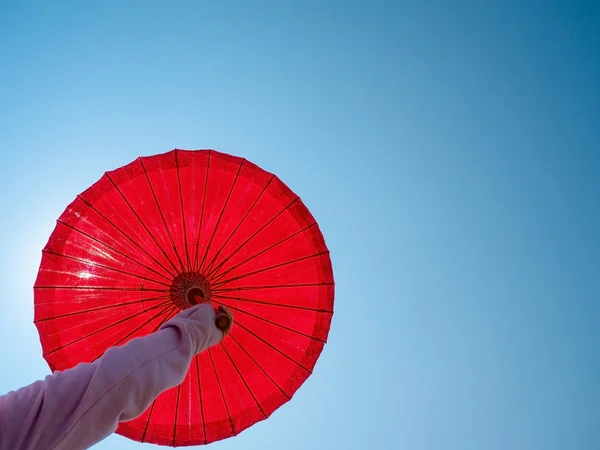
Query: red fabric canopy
[126, 251]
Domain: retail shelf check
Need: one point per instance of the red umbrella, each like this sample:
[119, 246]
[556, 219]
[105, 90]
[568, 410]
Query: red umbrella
[126, 252]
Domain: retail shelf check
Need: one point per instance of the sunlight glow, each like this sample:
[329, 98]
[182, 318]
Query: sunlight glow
[85, 275]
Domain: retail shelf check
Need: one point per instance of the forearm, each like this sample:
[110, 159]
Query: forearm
[126, 381]
[79, 407]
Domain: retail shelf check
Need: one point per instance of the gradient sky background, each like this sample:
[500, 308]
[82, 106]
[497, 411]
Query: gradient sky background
[449, 150]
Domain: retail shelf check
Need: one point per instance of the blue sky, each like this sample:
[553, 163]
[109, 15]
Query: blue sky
[449, 150]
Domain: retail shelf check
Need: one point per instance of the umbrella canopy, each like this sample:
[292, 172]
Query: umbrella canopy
[163, 232]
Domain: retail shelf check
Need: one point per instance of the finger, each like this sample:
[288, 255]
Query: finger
[225, 310]
[224, 320]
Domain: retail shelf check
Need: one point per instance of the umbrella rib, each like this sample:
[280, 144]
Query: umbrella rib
[125, 234]
[106, 328]
[176, 415]
[116, 186]
[266, 269]
[272, 346]
[162, 216]
[101, 308]
[185, 240]
[103, 266]
[115, 250]
[148, 421]
[222, 393]
[99, 288]
[216, 227]
[123, 339]
[197, 359]
[202, 211]
[270, 247]
[279, 305]
[265, 225]
[260, 367]
[209, 268]
[243, 379]
[252, 288]
[96, 318]
[262, 319]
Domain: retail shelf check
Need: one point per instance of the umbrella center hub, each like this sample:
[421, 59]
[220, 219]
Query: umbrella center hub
[189, 289]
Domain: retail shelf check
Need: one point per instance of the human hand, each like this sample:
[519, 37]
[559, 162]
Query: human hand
[207, 324]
